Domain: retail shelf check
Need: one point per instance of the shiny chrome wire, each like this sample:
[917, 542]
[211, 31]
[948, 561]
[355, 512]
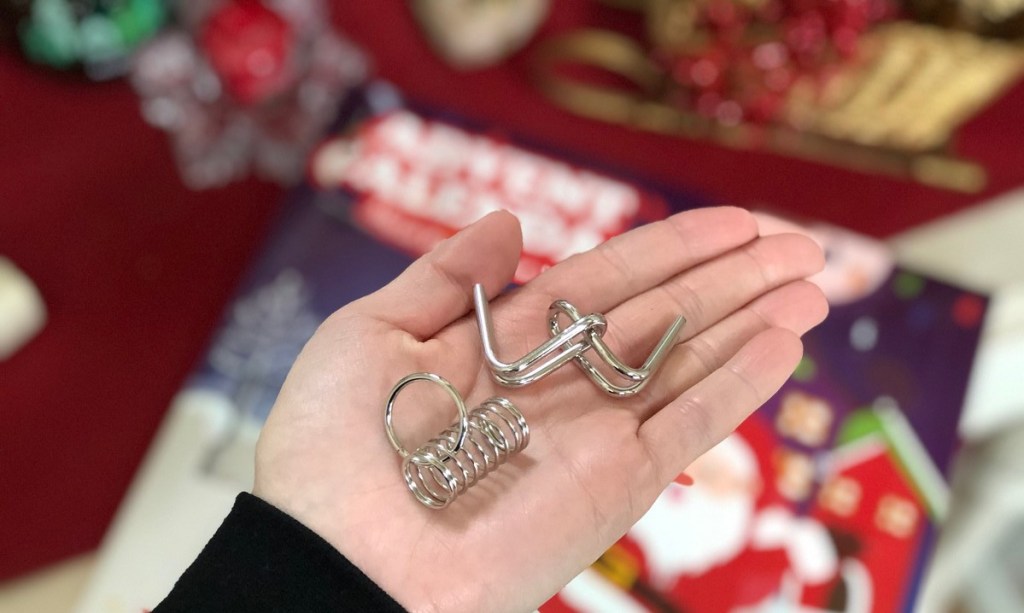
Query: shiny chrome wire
[637, 377]
[446, 466]
[583, 333]
[541, 361]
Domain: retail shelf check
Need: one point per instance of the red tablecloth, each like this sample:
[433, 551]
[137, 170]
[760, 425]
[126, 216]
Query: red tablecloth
[135, 269]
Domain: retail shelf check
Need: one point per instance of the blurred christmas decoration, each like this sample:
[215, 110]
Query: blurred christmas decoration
[736, 60]
[22, 311]
[478, 33]
[848, 82]
[994, 18]
[246, 85]
[97, 35]
[829, 498]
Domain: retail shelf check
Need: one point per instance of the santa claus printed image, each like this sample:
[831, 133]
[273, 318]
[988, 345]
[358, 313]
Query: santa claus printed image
[716, 545]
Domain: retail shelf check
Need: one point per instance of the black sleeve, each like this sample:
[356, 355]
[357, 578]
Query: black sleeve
[261, 559]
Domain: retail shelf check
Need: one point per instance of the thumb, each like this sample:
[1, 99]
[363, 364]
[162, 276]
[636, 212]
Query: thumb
[437, 289]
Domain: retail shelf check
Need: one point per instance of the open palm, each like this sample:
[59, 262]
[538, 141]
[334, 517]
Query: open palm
[595, 463]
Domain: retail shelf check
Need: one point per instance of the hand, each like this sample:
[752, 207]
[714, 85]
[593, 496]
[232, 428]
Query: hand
[594, 463]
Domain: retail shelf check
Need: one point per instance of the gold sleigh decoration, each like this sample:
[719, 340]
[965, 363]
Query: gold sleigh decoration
[894, 111]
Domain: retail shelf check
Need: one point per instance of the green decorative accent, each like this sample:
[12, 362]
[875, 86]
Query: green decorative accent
[907, 285]
[100, 39]
[140, 20]
[806, 369]
[49, 35]
[857, 425]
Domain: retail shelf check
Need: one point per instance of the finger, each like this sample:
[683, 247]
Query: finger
[707, 412]
[710, 292]
[768, 224]
[437, 289]
[797, 306]
[640, 259]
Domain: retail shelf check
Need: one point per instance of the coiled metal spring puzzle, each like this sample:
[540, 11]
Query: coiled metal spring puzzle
[477, 443]
[583, 333]
[486, 437]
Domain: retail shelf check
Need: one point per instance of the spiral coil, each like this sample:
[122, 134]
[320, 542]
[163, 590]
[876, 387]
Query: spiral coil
[480, 441]
[437, 473]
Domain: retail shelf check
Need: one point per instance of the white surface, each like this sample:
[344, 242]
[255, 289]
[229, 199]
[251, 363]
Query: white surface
[995, 398]
[22, 312]
[170, 512]
[53, 589]
[981, 248]
[991, 491]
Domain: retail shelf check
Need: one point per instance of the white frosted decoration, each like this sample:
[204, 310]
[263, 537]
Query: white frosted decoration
[477, 33]
[333, 160]
[22, 312]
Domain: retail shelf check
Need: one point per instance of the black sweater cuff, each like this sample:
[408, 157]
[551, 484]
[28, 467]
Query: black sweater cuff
[262, 559]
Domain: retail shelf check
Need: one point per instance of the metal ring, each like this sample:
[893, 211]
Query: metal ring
[463, 422]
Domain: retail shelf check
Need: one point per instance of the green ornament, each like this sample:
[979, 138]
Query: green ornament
[139, 20]
[806, 369]
[50, 35]
[907, 285]
[100, 39]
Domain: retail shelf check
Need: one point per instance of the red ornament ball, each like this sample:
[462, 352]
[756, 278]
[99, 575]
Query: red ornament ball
[249, 46]
[967, 310]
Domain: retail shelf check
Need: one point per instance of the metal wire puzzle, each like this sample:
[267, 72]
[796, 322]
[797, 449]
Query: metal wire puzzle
[477, 443]
[482, 439]
[543, 360]
[583, 333]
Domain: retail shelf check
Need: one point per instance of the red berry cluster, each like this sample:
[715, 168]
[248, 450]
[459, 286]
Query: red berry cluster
[744, 56]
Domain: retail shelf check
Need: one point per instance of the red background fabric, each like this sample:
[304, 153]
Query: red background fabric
[135, 269]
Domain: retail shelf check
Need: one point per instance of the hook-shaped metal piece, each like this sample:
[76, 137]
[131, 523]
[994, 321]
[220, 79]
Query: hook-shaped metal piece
[638, 377]
[542, 360]
[585, 332]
